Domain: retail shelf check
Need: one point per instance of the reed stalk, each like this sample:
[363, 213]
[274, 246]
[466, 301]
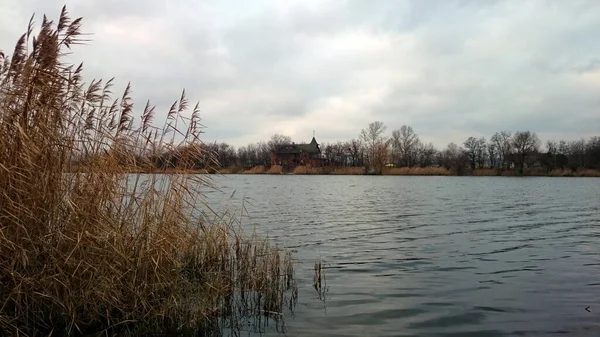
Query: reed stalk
[87, 246]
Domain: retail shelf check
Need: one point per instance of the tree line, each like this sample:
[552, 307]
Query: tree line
[375, 149]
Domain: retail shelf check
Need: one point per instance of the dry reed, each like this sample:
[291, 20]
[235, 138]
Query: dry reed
[485, 172]
[89, 248]
[576, 173]
[348, 170]
[260, 169]
[417, 171]
[275, 169]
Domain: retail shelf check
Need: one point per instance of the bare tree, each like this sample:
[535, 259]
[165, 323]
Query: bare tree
[481, 152]
[278, 140]
[404, 146]
[503, 144]
[471, 146]
[356, 152]
[375, 143]
[264, 154]
[492, 150]
[243, 159]
[454, 158]
[592, 151]
[525, 143]
[426, 154]
[226, 154]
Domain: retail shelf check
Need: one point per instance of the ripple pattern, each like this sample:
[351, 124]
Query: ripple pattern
[434, 256]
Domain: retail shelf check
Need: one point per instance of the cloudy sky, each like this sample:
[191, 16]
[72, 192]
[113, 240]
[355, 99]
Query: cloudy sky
[448, 68]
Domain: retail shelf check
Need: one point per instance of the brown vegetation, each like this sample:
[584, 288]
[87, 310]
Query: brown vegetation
[485, 172]
[302, 169]
[417, 171]
[571, 173]
[260, 169]
[275, 169]
[349, 170]
[91, 249]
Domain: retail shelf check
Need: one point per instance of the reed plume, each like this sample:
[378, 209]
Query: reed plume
[89, 247]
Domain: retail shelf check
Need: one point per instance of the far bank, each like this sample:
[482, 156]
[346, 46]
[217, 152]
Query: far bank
[406, 171]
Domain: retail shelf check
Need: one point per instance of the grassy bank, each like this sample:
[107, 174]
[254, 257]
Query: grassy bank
[92, 248]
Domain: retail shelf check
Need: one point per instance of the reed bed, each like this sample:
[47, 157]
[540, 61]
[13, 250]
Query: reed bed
[87, 246]
[417, 171]
[574, 173]
[485, 172]
[275, 169]
[303, 169]
[260, 169]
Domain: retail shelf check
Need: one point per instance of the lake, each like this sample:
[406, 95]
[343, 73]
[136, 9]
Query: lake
[433, 256]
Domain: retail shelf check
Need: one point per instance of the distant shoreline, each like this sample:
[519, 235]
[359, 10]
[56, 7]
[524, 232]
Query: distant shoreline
[403, 171]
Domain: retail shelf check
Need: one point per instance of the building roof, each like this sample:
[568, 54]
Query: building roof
[310, 148]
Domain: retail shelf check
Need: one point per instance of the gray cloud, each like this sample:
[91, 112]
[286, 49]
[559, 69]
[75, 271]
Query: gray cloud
[451, 69]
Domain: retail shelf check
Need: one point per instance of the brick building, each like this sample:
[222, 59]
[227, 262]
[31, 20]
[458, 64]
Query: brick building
[291, 155]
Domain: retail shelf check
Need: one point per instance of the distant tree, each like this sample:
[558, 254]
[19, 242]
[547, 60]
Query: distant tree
[335, 153]
[525, 143]
[375, 143]
[264, 154]
[492, 155]
[592, 151]
[471, 147]
[502, 142]
[481, 152]
[243, 159]
[226, 155]
[563, 147]
[552, 153]
[552, 147]
[356, 152]
[455, 159]
[576, 153]
[278, 140]
[405, 143]
[341, 154]
[252, 152]
[426, 154]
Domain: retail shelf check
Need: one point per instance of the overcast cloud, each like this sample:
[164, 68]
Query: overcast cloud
[450, 69]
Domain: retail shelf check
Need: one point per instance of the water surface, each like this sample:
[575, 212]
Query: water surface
[433, 256]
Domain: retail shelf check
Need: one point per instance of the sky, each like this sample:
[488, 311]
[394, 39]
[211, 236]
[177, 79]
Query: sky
[449, 68]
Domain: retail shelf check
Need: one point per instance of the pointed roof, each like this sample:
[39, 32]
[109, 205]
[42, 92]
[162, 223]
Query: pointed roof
[311, 148]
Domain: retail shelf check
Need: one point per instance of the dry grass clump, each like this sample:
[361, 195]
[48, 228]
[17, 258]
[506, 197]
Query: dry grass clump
[275, 169]
[259, 169]
[417, 171]
[303, 169]
[87, 247]
[576, 173]
[485, 172]
[230, 170]
[561, 173]
[588, 173]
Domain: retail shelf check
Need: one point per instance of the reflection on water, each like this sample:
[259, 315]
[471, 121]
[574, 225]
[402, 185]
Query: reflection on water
[433, 256]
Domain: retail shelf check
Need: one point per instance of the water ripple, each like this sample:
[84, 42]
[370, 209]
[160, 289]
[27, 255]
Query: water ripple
[434, 256]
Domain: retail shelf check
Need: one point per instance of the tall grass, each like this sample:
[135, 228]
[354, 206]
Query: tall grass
[260, 169]
[417, 171]
[87, 247]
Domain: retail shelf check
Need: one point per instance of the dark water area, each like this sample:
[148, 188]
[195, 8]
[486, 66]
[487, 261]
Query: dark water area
[433, 256]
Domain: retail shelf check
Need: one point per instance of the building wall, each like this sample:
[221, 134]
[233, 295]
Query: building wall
[290, 160]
